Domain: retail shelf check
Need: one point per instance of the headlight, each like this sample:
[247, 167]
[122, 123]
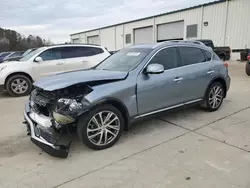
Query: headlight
[62, 119]
[71, 103]
[3, 67]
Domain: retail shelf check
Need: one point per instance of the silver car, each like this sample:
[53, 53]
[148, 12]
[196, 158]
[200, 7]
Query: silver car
[138, 81]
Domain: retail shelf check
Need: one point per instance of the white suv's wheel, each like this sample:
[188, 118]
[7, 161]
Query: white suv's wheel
[101, 128]
[18, 85]
[214, 97]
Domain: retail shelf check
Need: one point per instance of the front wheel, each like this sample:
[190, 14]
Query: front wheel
[214, 97]
[18, 85]
[101, 128]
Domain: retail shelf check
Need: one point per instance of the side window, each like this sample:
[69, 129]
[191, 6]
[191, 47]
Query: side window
[51, 54]
[168, 57]
[71, 52]
[91, 51]
[208, 55]
[191, 55]
[77, 51]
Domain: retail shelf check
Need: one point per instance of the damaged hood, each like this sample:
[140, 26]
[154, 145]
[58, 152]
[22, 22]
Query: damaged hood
[63, 80]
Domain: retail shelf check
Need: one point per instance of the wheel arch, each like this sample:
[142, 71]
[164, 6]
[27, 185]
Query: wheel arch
[220, 80]
[119, 105]
[17, 73]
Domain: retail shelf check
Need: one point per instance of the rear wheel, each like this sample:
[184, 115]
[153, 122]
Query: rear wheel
[101, 128]
[247, 68]
[18, 85]
[214, 97]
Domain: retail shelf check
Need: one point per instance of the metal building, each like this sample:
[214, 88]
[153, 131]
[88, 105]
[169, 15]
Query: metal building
[226, 22]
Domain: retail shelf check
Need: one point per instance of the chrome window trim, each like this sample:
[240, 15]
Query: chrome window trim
[146, 64]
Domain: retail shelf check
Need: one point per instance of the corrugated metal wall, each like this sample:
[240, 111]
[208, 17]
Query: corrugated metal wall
[215, 15]
[228, 24]
[238, 25]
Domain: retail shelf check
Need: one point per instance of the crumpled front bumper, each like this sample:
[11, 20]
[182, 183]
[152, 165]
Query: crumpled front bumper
[44, 136]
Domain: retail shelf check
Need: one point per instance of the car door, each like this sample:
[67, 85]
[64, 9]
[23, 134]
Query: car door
[159, 91]
[196, 69]
[52, 63]
[81, 57]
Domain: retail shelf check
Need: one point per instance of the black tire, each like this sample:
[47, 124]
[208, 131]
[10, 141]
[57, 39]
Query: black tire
[206, 105]
[14, 78]
[83, 123]
[222, 57]
[247, 68]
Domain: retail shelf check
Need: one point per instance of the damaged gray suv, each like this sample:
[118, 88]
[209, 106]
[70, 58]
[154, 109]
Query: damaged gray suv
[133, 83]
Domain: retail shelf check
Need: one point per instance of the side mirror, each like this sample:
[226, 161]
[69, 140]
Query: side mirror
[38, 59]
[154, 69]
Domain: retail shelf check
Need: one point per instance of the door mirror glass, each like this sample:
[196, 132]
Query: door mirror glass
[38, 59]
[154, 69]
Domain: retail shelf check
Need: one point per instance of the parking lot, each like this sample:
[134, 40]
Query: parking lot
[189, 148]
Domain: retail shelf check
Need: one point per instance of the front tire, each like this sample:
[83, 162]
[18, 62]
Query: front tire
[214, 97]
[18, 85]
[101, 128]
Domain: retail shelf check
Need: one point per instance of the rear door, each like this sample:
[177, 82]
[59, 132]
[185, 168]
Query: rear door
[196, 69]
[82, 57]
[52, 63]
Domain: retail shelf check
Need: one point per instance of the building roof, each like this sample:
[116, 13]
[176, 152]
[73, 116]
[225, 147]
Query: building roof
[171, 12]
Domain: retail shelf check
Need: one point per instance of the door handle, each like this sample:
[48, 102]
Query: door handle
[177, 79]
[210, 72]
[60, 63]
[84, 61]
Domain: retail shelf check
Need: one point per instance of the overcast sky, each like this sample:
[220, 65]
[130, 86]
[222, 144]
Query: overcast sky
[57, 19]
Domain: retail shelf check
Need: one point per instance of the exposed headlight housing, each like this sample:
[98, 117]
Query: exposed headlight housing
[71, 103]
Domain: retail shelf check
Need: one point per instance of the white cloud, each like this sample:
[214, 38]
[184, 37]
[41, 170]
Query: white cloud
[58, 19]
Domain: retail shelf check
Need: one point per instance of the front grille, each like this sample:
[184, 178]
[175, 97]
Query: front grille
[40, 101]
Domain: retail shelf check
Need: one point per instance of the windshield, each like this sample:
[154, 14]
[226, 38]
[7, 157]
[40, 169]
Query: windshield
[124, 60]
[31, 54]
[27, 52]
[4, 54]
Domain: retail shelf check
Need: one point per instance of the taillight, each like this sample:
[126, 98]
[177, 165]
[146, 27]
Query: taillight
[248, 57]
[225, 64]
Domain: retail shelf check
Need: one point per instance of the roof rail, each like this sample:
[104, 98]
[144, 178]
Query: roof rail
[71, 43]
[188, 41]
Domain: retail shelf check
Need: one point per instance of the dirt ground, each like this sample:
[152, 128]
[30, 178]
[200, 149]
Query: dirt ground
[189, 148]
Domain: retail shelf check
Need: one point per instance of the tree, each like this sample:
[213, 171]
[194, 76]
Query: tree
[11, 40]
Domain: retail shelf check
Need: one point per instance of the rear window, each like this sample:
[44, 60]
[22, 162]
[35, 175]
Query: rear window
[208, 55]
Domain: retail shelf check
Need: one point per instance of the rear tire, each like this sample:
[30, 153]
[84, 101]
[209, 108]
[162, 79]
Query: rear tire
[101, 133]
[213, 97]
[247, 68]
[18, 85]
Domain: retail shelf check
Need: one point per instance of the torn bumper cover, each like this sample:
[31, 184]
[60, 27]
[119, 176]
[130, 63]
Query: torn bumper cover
[44, 136]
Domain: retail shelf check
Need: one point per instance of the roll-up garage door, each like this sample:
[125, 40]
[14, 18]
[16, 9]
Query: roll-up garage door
[93, 39]
[76, 40]
[170, 31]
[143, 35]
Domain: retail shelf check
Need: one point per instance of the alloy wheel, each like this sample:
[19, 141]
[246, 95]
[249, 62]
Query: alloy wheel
[19, 86]
[215, 96]
[103, 128]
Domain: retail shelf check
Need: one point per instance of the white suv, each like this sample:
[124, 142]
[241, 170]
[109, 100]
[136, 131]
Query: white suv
[16, 77]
